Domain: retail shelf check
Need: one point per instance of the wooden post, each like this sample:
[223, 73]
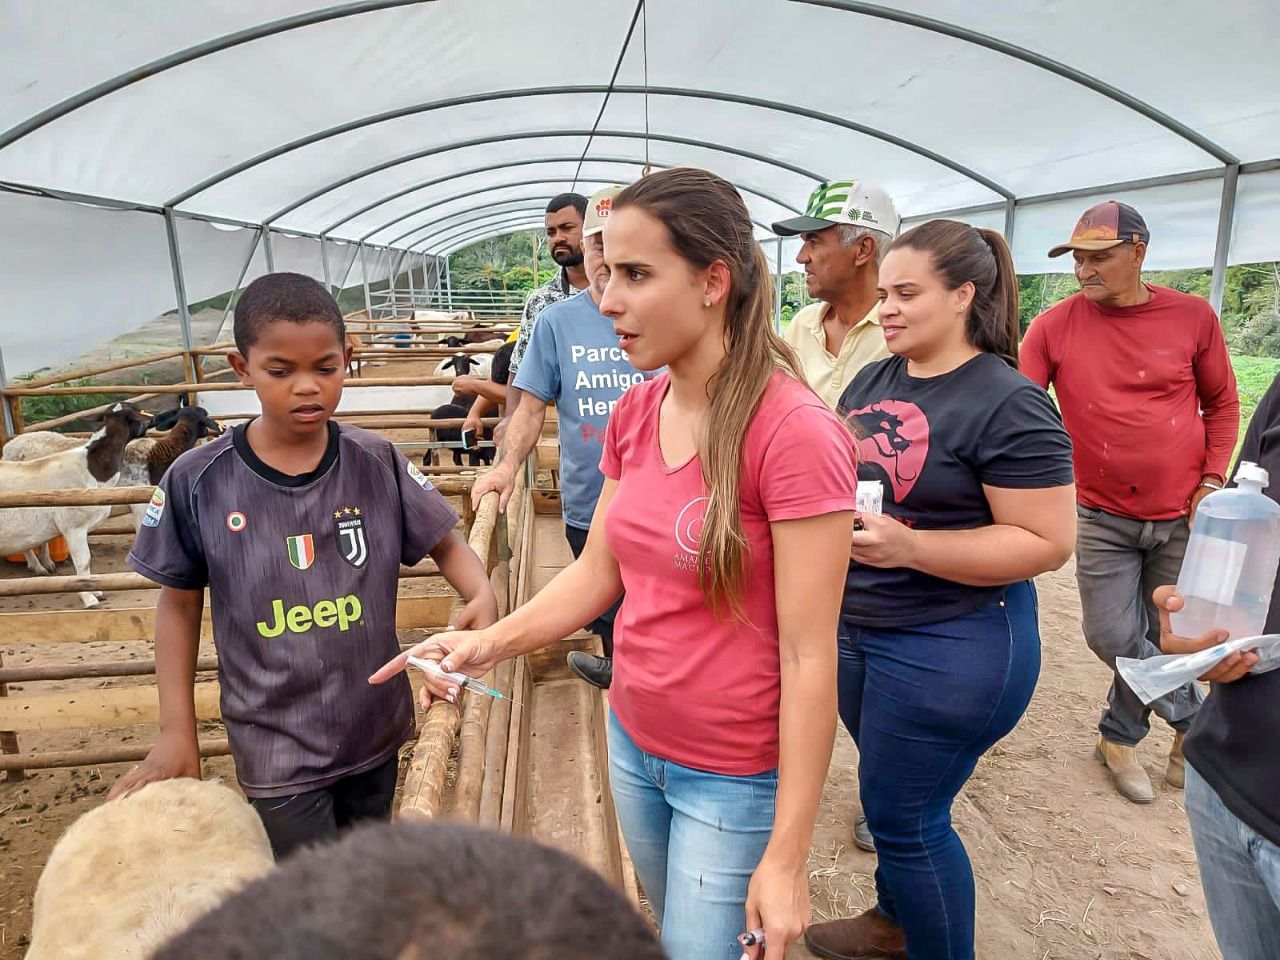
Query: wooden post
[9, 739]
[15, 412]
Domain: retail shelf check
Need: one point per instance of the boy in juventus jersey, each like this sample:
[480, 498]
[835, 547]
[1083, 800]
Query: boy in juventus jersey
[297, 525]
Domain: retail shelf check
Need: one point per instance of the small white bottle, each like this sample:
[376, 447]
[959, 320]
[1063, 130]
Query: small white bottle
[1230, 566]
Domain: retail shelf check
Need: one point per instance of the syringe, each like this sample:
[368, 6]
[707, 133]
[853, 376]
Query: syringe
[474, 684]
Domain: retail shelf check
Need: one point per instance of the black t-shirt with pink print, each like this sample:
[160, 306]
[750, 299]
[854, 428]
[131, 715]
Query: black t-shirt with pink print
[934, 443]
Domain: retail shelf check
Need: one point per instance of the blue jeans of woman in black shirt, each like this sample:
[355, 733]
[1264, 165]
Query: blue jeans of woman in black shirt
[923, 704]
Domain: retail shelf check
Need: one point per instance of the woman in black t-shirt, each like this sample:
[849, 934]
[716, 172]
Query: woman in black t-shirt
[940, 645]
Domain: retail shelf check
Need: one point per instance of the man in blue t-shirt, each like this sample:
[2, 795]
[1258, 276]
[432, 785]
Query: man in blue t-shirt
[574, 361]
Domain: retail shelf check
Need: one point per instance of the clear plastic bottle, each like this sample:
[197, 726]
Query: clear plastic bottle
[1230, 566]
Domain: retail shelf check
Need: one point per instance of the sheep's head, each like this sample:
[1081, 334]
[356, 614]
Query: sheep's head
[203, 424]
[461, 363]
[133, 420]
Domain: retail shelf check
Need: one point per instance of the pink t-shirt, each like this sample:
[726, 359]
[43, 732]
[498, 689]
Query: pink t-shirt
[688, 687]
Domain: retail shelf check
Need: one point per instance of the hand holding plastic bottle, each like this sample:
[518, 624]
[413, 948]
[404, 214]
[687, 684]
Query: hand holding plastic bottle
[1228, 670]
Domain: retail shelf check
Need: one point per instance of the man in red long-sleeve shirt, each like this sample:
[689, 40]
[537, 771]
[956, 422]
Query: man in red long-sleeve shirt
[1147, 392]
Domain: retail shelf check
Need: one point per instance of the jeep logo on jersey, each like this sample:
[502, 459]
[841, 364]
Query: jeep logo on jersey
[340, 613]
[302, 551]
[349, 527]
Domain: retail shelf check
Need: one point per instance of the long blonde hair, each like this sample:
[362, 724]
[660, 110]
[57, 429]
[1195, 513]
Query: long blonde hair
[708, 221]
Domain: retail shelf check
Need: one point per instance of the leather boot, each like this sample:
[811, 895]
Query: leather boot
[1175, 774]
[1130, 780]
[862, 838]
[868, 936]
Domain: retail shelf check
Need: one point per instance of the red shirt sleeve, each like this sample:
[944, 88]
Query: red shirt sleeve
[1033, 357]
[1219, 397]
[809, 466]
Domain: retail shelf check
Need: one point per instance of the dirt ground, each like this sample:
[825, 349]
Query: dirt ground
[1066, 869]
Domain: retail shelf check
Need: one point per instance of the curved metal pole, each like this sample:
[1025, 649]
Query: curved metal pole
[577, 90]
[535, 202]
[461, 241]
[178, 58]
[1034, 59]
[537, 213]
[630, 161]
[477, 192]
[528, 183]
[539, 135]
[521, 221]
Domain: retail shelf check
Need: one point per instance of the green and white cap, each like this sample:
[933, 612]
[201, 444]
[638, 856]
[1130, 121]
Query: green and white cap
[855, 202]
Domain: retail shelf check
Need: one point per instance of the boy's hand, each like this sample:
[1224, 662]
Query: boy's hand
[173, 756]
[457, 651]
[1232, 668]
[477, 614]
[499, 478]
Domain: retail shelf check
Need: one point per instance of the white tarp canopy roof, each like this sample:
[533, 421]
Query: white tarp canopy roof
[424, 125]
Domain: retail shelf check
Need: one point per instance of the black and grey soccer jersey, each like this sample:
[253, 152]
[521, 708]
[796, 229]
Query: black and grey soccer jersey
[302, 573]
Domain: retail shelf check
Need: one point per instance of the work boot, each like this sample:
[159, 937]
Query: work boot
[1127, 774]
[1175, 774]
[862, 838]
[868, 936]
[597, 671]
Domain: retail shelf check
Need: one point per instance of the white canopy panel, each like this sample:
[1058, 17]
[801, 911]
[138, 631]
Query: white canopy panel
[428, 124]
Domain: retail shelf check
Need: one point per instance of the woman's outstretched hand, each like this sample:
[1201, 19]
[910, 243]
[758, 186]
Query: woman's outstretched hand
[457, 651]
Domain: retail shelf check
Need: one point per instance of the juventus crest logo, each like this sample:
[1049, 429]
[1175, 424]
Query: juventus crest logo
[349, 528]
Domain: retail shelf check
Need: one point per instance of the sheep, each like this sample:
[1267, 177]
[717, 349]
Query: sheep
[355, 344]
[145, 460]
[441, 317]
[95, 464]
[135, 872]
[466, 364]
[458, 411]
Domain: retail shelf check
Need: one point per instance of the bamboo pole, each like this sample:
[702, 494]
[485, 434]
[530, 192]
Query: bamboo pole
[104, 368]
[473, 738]
[423, 794]
[90, 671]
[206, 387]
[116, 668]
[410, 419]
[9, 739]
[113, 496]
[97, 756]
[95, 497]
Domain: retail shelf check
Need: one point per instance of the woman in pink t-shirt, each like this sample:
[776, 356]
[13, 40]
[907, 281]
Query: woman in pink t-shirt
[726, 514]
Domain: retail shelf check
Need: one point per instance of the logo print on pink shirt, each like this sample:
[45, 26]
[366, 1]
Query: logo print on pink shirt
[689, 524]
[893, 435]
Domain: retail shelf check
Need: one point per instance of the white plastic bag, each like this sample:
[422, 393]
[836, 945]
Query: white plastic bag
[1153, 677]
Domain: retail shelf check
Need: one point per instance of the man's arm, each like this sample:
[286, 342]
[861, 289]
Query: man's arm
[1219, 401]
[1033, 356]
[482, 388]
[523, 431]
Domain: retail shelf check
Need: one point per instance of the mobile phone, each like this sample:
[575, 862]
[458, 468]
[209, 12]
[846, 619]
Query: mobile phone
[468, 439]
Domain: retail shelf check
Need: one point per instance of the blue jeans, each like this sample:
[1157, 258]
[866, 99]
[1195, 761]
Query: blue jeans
[1240, 873]
[695, 839]
[923, 704]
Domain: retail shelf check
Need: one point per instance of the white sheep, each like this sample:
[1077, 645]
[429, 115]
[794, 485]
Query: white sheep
[95, 464]
[145, 460]
[136, 871]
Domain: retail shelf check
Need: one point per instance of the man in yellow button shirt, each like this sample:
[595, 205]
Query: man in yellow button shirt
[846, 230]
